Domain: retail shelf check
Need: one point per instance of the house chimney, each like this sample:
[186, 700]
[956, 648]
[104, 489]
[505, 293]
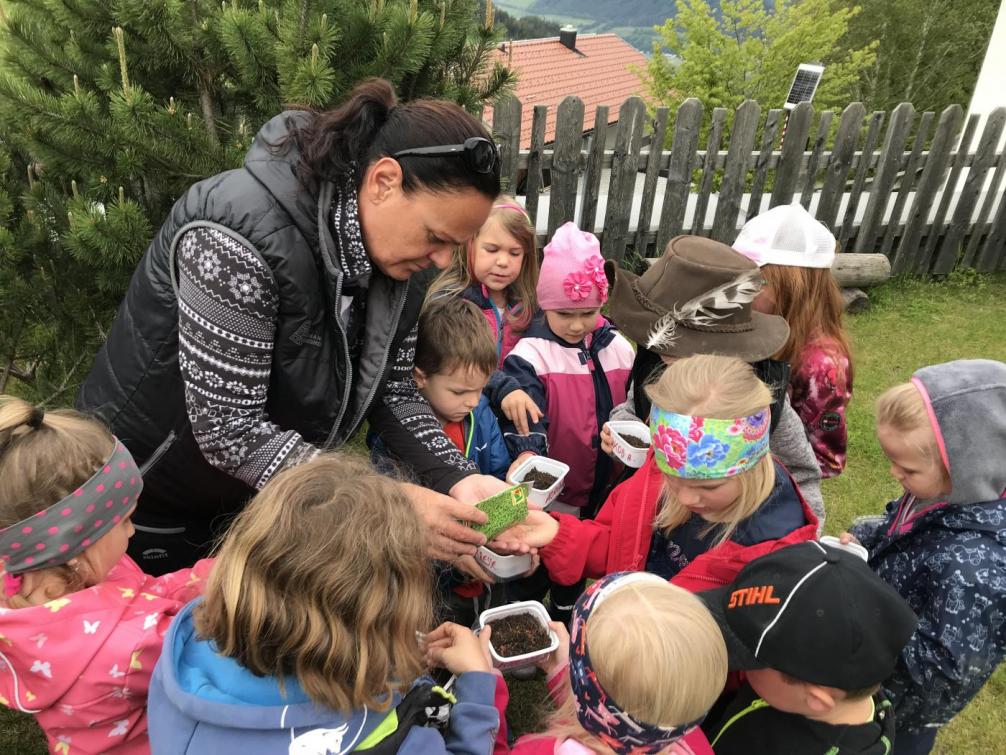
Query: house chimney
[567, 35]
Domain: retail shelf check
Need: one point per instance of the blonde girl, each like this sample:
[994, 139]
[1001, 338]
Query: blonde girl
[708, 499]
[604, 704]
[942, 543]
[795, 253]
[308, 635]
[81, 626]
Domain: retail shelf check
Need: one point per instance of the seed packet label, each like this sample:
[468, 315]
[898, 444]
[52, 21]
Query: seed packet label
[505, 509]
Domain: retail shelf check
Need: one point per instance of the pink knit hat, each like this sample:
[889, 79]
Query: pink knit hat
[572, 273]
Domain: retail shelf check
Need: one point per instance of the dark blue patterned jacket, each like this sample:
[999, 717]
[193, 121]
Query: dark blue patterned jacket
[948, 559]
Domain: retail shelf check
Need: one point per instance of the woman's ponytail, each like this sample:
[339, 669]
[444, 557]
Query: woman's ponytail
[337, 139]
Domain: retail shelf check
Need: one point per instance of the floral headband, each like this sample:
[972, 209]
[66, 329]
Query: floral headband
[67, 528]
[595, 710]
[704, 448]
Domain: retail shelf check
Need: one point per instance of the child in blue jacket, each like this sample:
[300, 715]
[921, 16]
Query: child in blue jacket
[455, 357]
[942, 545]
[314, 633]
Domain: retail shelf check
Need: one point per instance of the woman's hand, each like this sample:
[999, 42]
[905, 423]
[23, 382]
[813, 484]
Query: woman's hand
[607, 442]
[457, 649]
[536, 531]
[468, 565]
[560, 656]
[447, 538]
[520, 408]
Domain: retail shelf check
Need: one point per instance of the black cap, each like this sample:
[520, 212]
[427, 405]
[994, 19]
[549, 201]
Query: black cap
[816, 613]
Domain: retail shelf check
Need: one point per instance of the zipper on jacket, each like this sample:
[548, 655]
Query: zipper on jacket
[158, 453]
[756, 704]
[399, 307]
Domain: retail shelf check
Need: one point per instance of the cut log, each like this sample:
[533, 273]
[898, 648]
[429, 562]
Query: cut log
[856, 300]
[854, 270]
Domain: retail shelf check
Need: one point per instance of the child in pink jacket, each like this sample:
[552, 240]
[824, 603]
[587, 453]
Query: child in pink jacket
[81, 626]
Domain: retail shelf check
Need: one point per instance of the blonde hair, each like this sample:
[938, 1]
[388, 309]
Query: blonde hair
[686, 658]
[324, 576]
[459, 275]
[719, 387]
[40, 465]
[810, 301]
[902, 408]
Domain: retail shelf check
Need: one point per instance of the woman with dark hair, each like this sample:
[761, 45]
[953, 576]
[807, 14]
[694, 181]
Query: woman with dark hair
[273, 313]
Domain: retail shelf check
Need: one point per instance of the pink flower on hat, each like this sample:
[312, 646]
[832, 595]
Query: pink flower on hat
[577, 286]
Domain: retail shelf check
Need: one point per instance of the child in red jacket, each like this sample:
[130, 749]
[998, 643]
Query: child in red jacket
[603, 704]
[708, 499]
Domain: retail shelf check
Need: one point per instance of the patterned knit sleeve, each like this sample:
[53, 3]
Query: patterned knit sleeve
[227, 309]
[410, 431]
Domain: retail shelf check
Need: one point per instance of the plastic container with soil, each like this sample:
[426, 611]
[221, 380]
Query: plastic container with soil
[520, 635]
[630, 442]
[545, 476]
[503, 567]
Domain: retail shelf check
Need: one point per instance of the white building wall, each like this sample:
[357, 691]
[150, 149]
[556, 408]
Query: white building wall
[990, 91]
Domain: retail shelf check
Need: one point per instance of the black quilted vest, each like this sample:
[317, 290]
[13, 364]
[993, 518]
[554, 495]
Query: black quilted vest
[136, 388]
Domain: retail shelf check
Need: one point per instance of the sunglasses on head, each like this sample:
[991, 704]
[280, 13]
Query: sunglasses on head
[479, 153]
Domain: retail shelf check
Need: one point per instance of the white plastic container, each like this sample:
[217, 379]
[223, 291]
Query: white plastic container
[532, 607]
[624, 451]
[542, 497]
[503, 567]
[854, 548]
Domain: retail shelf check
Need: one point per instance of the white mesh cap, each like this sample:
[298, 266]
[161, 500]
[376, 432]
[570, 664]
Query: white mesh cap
[786, 235]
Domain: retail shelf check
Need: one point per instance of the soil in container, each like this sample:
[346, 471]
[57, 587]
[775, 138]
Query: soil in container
[635, 442]
[518, 634]
[539, 479]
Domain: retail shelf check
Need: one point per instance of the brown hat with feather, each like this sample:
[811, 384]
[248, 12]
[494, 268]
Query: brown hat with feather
[695, 299]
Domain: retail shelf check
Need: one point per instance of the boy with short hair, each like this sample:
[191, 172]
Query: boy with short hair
[455, 357]
[816, 632]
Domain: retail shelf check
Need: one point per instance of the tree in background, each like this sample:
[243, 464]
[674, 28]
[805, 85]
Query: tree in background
[525, 27]
[109, 111]
[929, 51]
[748, 52]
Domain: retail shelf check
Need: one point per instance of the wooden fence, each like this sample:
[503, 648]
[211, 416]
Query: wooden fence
[908, 185]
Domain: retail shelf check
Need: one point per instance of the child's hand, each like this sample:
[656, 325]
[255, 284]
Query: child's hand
[516, 463]
[457, 649]
[519, 408]
[607, 443]
[468, 565]
[536, 531]
[847, 537]
[560, 656]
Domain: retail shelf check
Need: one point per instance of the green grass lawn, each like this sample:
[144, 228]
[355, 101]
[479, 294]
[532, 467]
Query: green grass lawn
[910, 324]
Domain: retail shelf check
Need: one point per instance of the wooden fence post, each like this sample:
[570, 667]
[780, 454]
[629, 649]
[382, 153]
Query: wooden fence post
[506, 133]
[592, 175]
[534, 161]
[565, 162]
[624, 162]
[888, 165]
[862, 168]
[810, 179]
[728, 205]
[787, 173]
[982, 262]
[907, 182]
[653, 161]
[985, 156]
[709, 170]
[687, 124]
[839, 164]
[938, 263]
[910, 255]
[772, 123]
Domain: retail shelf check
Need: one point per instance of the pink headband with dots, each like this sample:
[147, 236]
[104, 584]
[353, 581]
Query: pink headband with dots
[66, 529]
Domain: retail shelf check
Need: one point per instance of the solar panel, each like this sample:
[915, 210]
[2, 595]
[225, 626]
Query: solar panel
[804, 85]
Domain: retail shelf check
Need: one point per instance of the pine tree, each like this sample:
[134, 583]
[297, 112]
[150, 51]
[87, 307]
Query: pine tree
[109, 111]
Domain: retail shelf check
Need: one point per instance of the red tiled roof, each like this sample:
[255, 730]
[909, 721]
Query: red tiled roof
[599, 72]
